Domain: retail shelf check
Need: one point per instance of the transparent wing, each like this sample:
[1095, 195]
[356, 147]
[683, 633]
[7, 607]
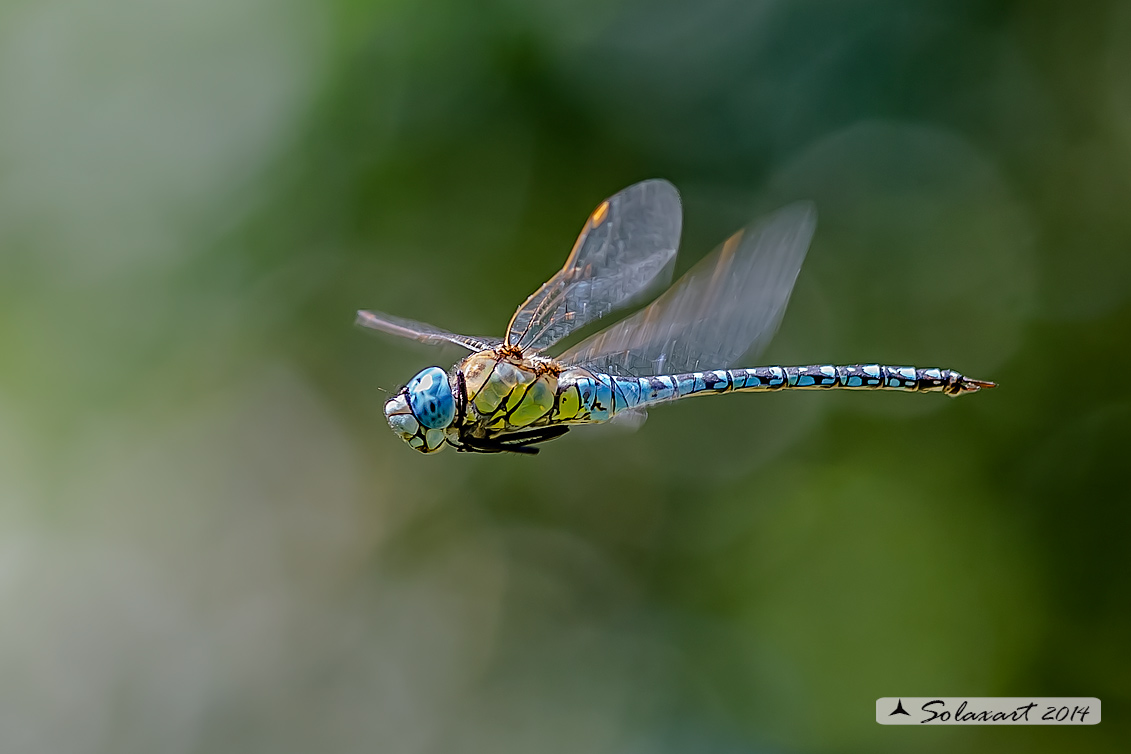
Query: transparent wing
[729, 303]
[627, 247]
[623, 423]
[425, 333]
[629, 420]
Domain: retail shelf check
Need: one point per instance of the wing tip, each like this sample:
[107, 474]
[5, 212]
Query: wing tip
[797, 220]
[804, 209]
[658, 182]
[659, 185]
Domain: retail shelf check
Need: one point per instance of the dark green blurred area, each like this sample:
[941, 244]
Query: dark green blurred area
[211, 542]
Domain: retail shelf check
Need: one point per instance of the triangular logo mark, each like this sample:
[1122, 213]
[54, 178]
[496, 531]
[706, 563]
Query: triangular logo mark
[899, 710]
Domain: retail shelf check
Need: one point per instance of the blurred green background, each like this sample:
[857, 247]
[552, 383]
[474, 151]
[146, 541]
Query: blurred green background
[210, 541]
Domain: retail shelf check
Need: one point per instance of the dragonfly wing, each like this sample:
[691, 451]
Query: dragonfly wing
[425, 333]
[627, 247]
[630, 420]
[729, 303]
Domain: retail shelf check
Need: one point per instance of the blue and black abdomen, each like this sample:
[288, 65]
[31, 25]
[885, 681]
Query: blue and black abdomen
[585, 396]
[854, 377]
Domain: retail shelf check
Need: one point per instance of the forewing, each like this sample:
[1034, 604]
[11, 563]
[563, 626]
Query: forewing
[728, 304]
[425, 333]
[627, 247]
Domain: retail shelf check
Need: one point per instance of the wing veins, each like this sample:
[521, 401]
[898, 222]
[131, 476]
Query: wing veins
[421, 331]
[627, 245]
[730, 303]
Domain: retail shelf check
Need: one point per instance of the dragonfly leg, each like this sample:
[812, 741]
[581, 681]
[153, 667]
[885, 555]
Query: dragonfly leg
[513, 442]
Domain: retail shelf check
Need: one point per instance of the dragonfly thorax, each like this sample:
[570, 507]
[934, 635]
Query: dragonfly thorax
[504, 392]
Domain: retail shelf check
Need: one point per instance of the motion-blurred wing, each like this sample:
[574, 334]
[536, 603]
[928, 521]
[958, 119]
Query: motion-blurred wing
[627, 247]
[729, 303]
[407, 328]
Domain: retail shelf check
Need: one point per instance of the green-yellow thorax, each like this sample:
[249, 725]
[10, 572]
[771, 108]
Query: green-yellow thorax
[509, 393]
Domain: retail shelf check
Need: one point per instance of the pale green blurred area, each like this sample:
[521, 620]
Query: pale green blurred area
[211, 542]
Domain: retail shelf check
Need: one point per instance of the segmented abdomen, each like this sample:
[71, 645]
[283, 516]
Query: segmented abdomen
[584, 396]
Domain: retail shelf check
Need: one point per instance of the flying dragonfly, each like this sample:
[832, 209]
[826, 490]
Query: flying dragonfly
[510, 394]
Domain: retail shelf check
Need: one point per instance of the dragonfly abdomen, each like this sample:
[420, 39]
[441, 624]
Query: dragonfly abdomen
[600, 396]
[854, 377]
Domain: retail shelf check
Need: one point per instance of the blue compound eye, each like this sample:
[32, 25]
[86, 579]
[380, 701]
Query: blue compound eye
[430, 398]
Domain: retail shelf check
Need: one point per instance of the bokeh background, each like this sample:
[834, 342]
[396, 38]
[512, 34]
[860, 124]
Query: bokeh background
[211, 542]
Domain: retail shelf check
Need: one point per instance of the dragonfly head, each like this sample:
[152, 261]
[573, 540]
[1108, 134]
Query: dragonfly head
[423, 410]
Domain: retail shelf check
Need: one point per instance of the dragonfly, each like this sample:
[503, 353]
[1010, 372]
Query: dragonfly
[511, 394]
